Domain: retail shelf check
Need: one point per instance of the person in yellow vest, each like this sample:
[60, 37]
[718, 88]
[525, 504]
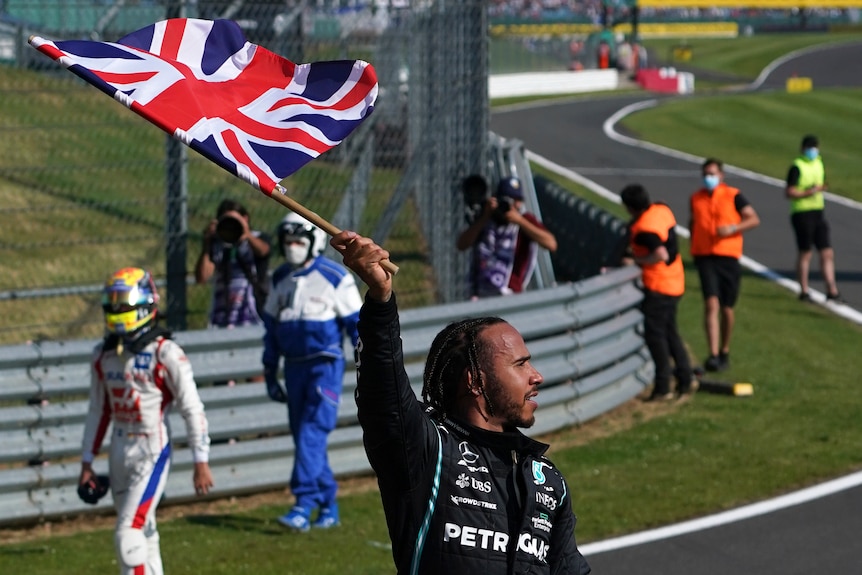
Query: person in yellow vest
[653, 246]
[806, 182]
[719, 217]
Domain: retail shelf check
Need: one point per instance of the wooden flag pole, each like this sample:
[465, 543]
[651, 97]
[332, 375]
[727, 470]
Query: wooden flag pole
[280, 196]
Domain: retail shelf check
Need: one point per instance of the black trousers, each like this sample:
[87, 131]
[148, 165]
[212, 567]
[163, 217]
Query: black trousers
[662, 339]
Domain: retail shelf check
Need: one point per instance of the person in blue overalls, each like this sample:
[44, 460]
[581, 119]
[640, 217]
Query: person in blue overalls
[312, 306]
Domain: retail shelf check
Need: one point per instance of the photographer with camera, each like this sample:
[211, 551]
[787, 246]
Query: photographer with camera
[505, 238]
[237, 258]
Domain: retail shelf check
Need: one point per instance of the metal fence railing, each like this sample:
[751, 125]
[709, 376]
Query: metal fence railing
[590, 238]
[584, 338]
[83, 181]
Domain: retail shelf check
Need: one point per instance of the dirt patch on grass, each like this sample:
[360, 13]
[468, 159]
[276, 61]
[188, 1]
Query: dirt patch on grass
[625, 417]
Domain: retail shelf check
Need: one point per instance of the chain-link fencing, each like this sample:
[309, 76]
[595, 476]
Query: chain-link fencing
[87, 187]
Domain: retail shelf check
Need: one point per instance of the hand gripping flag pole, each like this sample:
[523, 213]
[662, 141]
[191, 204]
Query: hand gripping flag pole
[254, 113]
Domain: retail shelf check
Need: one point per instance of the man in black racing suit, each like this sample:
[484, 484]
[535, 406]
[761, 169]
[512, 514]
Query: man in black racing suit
[463, 490]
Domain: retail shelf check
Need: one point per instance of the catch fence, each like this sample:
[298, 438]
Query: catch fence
[87, 187]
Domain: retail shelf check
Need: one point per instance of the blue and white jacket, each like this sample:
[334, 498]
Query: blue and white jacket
[308, 312]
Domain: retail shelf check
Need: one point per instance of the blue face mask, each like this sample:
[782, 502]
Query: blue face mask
[711, 181]
[811, 153]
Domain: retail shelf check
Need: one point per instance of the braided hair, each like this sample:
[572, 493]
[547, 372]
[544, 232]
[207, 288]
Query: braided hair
[456, 348]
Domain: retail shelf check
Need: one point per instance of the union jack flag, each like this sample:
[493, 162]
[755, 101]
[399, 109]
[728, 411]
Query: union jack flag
[249, 110]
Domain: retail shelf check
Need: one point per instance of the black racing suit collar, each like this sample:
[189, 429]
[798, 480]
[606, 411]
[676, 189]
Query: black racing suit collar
[137, 344]
[509, 440]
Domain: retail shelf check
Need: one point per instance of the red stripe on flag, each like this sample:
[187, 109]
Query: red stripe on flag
[51, 51]
[277, 134]
[232, 143]
[126, 79]
[173, 38]
[360, 89]
[146, 114]
[302, 137]
[357, 93]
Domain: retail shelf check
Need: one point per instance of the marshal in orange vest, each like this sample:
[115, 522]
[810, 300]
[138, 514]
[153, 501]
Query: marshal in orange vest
[708, 212]
[662, 277]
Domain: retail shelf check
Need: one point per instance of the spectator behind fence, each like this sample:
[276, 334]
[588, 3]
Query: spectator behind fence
[653, 246]
[505, 238]
[463, 489]
[236, 257]
[313, 305]
[137, 373]
[806, 182]
[720, 215]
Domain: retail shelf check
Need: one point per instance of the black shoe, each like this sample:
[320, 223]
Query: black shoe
[805, 296]
[834, 297]
[723, 361]
[712, 363]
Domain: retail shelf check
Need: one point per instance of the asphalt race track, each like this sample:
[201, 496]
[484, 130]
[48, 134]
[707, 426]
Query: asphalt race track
[572, 135]
[818, 535]
[796, 536]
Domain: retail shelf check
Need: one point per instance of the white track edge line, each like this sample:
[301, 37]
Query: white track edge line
[609, 128]
[725, 517]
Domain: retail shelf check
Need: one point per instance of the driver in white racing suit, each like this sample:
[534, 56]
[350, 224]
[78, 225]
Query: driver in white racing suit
[137, 374]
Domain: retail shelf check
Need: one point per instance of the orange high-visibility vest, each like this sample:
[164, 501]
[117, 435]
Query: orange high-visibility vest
[708, 212]
[668, 277]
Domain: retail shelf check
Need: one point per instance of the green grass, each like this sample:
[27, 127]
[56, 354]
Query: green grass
[744, 57]
[719, 452]
[762, 132]
[713, 453]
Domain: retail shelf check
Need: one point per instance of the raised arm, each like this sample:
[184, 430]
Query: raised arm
[536, 231]
[399, 439]
[363, 256]
[204, 267]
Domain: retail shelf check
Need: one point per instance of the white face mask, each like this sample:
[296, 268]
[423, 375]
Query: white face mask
[296, 252]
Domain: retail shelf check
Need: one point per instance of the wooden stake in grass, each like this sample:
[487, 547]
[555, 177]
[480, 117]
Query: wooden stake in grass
[726, 387]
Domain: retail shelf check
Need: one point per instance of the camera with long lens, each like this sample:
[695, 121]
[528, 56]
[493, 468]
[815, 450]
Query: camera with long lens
[504, 204]
[475, 192]
[229, 229]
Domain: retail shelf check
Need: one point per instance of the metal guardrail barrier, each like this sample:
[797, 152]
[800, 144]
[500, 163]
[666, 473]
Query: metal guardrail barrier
[584, 337]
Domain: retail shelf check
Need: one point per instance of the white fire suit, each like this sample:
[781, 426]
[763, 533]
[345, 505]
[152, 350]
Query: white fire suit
[134, 391]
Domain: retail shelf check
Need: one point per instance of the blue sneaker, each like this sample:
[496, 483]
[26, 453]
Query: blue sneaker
[328, 517]
[296, 519]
